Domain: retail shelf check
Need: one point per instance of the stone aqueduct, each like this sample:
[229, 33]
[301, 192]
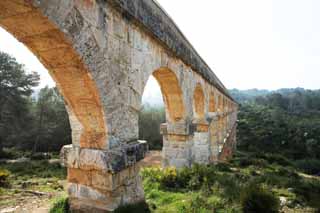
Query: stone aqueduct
[101, 54]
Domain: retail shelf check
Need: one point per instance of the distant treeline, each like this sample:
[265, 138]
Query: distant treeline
[286, 122]
[291, 99]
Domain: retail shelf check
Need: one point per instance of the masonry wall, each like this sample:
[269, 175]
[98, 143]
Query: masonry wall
[101, 54]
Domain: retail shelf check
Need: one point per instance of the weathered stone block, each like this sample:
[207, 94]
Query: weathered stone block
[106, 160]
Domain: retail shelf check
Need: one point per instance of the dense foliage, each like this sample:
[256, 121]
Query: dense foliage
[150, 119]
[248, 183]
[287, 124]
[15, 88]
[27, 123]
[257, 199]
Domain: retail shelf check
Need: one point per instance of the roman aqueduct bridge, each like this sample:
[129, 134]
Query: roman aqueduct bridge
[100, 54]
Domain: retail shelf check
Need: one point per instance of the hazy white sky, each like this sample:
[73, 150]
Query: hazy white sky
[265, 44]
[254, 43]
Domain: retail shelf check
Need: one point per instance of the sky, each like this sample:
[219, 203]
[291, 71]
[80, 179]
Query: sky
[264, 44]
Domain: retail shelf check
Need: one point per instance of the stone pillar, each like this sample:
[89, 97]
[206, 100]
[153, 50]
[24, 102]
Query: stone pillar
[225, 124]
[177, 145]
[220, 131]
[229, 146]
[213, 136]
[201, 152]
[103, 180]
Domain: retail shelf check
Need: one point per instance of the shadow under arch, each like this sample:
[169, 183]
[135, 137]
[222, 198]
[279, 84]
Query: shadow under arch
[171, 93]
[55, 51]
[212, 102]
[220, 103]
[198, 102]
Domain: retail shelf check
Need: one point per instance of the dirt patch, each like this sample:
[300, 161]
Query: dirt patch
[153, 158]
[27, 202]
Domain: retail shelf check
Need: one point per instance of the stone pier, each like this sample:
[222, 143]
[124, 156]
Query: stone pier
[101, 53]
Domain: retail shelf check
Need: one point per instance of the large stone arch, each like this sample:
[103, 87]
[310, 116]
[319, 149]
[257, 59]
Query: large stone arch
[56, 52]
[59, 34]
[100, 53]
[172, 94]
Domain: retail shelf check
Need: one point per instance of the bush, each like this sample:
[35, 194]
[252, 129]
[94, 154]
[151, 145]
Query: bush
[187, 178]
[141, 207]
[198, 204]
[169, 178]
[42, 169]
[251, 161]
[309, 166]
[40, 156]
[4, 175]
[256, 199]
[12, 153]
[223, 167]
[275, 158]
[308, 191]
[61, 205]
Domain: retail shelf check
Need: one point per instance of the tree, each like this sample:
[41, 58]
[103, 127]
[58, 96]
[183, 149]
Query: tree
[52, 129]
[15, 89]
[150, 119]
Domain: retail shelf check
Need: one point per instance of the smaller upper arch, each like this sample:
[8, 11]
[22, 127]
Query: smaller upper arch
[199, 102]
[220, 103]
[171, 92]
[212, 102]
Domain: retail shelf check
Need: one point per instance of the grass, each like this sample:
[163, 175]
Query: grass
[60, 205]
[222, 187]
[30, 176]
[200, 189]
[35, 168]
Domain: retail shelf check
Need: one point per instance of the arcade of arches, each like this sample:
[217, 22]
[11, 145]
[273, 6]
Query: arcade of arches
[100, 54]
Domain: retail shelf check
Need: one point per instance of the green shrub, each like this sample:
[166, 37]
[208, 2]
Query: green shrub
[274, 158]
[309, 192]
[42, 169]
[256, 199]
[197, 176]
[251, 161]
[231, 187]
[4, 177]
[309, 166]
[154, 174]
[223, 167]
[40, 156]
[141, 207]
[287, 172]
[61, 205]
[198, 204]
[13, 153]
[183, 179]
[274, 179]
[169, 178]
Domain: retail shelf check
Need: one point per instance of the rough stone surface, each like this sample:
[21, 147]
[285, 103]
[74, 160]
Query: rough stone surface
[101, 54]
[104, 160]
